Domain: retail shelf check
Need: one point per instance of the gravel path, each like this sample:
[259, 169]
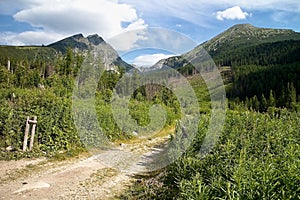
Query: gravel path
[102, 176]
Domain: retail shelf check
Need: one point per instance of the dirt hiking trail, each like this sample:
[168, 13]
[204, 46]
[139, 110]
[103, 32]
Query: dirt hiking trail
[104, 175]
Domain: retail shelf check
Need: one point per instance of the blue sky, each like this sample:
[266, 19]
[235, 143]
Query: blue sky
[37, 22]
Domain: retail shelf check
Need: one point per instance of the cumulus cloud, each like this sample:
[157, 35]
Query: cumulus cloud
[29, 38]
[68, 17]
[232, 13]
[199, 12]
[147, 60]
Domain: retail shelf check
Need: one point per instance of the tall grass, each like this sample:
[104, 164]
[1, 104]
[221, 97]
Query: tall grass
[257, 157]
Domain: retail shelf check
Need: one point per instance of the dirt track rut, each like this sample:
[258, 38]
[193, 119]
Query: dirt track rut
[101, 176]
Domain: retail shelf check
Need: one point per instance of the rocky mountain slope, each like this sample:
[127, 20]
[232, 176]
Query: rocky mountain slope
[78, 43]
[240, 41]
[110, 57]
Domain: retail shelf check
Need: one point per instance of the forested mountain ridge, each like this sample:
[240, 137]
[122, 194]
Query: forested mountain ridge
[254, 62]
[244, 40]
[243, 43]
[243, 35]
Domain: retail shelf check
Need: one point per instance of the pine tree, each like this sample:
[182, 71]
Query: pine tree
[282, 98]
[264, 103]
[247, 102]
[69, 59]
[291, 96]
[272, 100]
[255, 103]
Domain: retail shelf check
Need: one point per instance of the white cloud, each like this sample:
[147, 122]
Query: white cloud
[29, 38]
[232, 13]
[106, 17]
[190, 7]
[128, 40]
[153, 38]
[68, 17]
[199, 12]
[190, 10]
[148, 60]
[9, 7]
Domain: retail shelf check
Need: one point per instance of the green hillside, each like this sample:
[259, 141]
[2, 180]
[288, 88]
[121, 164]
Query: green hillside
[254, 62]
[271, 53]
[26, 53]
[245, 35]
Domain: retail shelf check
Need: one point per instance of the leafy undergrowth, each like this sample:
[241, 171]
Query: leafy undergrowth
[257, 157]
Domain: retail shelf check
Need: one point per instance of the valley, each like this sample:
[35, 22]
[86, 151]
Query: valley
[103, 124]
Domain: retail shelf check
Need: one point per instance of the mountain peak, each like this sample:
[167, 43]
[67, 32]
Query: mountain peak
[95, 39]
[77, 36]
[247, 25]
[74, 41]
[241, 27]
[248, 28]
[79, 43]
[247, 34]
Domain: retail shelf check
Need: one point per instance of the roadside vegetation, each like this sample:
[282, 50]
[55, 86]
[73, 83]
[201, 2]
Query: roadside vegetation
[37, 87]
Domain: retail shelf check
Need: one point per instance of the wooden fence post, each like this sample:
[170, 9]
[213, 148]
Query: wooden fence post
[27, 128]
[26, 134]
[32, 132]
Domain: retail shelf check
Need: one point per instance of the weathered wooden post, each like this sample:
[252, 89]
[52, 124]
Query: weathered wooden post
[8, 65]
[34, 121]
[27, 128]
[26, 134]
